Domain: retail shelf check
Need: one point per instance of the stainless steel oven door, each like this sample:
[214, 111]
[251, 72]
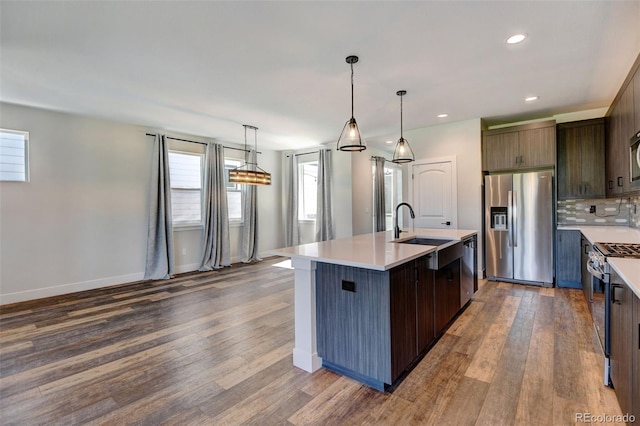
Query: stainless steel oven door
[600, 310]
[600, 303]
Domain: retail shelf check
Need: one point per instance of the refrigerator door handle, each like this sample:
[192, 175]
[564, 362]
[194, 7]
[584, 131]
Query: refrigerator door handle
[514, 212]
[510, 217]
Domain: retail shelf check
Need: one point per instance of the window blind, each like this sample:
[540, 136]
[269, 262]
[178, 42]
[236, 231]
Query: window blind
[14, 155]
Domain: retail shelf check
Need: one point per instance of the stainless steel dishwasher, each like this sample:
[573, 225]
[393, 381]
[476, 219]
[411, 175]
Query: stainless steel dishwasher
[469, 275]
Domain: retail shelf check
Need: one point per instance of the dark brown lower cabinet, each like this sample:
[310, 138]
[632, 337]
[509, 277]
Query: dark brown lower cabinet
[447, 294]
[621, 342]
[402, 292]
[424, 304]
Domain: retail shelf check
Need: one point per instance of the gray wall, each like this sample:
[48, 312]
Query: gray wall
[362, 197]
[463, 140]
[81, 221]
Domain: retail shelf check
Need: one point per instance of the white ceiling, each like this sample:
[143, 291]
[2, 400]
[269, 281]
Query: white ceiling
[205, 68]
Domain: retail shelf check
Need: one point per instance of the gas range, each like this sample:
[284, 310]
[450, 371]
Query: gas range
[630, 250]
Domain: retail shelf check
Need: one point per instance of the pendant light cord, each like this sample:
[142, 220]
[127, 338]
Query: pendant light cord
[255, 143]
[246, 152]
[401, 136]
[352, 90]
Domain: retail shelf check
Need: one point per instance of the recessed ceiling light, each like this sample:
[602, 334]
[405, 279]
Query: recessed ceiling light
[389, 142]
[443, 115]
[531, 99]
[516, 38]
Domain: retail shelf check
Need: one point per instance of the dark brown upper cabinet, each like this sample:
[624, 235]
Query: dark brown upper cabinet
[527, 146]
[581, 161]
[636, 101]
[622, 123]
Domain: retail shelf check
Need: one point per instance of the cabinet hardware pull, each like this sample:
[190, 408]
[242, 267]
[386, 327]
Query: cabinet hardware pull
[586, 249]
[610, 184]
[619, 180]
[614, 299]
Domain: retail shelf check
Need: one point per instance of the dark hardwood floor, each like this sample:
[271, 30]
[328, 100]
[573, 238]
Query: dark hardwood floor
[215, 348]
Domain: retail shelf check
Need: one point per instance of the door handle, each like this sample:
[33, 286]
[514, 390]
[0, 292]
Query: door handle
[514, 211]
[448, 223]
[510, 217]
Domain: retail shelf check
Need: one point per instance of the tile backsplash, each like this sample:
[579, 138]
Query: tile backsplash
[623, 211]
[634, 212]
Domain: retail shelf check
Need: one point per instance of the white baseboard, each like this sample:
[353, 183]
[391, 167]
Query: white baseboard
[58, 290]
[39, 293]
[181, 269]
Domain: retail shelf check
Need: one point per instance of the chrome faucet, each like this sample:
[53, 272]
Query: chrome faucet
[396, 229]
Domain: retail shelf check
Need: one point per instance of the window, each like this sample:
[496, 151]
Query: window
[307, 190]
[234, 191]
[392, 192]
[186, 187]
[14, 155]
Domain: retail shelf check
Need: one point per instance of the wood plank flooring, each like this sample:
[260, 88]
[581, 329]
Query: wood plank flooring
[215, 349]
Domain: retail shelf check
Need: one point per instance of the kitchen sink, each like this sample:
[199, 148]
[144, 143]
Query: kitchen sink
[426, 241]
[442, 256]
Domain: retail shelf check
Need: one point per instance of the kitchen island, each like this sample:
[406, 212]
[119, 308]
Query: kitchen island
[369, 306]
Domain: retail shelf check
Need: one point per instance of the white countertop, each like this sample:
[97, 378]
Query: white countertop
[606, 234]
[628, 269]
[372, 251]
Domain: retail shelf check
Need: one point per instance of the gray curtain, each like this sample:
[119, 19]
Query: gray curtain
[216, 252]
[324, 215]
[378, 195]
[249, 251]
[159, 264]
[291, 224]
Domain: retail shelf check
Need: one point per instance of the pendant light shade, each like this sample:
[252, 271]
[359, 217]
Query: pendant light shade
[351, 139]
[403, 152]
[250, 173]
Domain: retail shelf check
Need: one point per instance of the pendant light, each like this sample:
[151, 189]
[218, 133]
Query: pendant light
[250, 175]
[403, 152]
[351, 139]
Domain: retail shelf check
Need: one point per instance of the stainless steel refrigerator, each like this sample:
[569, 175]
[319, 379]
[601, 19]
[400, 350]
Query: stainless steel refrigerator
[519, 227]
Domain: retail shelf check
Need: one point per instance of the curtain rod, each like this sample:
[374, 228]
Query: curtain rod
[203, 143]
[373, 158]
[303, 153]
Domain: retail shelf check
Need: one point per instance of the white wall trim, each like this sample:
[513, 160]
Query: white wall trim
[58, 290]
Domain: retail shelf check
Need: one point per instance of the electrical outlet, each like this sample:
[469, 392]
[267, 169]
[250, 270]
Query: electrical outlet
[592, 209]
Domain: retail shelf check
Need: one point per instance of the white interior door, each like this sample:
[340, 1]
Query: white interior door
[434, 193]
